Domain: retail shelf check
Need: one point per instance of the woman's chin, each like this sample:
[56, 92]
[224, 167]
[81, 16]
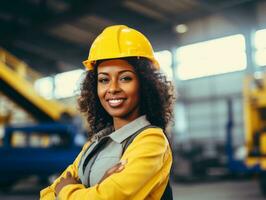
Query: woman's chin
[117, 115]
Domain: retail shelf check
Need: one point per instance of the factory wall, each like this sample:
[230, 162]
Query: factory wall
[206, 108]
[203, 103]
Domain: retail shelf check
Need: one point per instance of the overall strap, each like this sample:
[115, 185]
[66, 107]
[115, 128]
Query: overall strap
[130, 139]
[99, 146]
[168, 194]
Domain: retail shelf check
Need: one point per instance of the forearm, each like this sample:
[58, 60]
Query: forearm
[142, 173]
[48, 193]
[104, 191]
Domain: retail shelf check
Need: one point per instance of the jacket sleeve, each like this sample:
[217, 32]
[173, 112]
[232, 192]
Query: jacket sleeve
[49, 192]
[145, 156]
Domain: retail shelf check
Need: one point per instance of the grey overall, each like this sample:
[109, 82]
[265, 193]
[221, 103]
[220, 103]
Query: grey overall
[106, 151]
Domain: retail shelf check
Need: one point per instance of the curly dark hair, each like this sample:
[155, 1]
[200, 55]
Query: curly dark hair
[156, 96]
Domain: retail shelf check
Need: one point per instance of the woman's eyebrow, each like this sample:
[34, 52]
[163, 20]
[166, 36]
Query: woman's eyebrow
[120, 72]
[126, 71]
[104, 73]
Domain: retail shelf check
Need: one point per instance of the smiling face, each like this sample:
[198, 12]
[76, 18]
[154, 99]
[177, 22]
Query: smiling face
[118, 89]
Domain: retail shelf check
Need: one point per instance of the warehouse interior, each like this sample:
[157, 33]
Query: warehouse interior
[214, 52]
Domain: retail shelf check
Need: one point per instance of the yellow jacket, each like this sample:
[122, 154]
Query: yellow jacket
[145, 175]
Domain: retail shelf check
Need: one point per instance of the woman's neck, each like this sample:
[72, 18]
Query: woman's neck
[120, 122]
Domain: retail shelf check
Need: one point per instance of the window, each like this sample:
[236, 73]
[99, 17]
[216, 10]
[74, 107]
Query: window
[165, 60]
[66, 84]
[63, 85]
[260, 44]
[211, 57]
[44, 87]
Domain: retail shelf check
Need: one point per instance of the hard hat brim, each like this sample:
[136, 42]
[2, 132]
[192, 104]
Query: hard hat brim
[89, 65]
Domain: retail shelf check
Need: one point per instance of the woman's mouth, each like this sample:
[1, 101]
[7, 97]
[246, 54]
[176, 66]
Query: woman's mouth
[115, 102]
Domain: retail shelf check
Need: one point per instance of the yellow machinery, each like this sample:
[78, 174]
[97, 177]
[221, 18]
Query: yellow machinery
[255, 120]
[16, 80]
[30, 146]
[255, 124]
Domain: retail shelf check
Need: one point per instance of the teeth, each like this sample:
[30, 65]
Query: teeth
[115, 100]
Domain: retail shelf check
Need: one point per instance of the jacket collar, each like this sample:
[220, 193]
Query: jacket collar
[126, 131]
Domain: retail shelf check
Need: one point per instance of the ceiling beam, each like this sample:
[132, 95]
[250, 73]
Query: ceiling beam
[41, 19]
[51, 48]
[43, 65]
[44, 19]
[20, 8]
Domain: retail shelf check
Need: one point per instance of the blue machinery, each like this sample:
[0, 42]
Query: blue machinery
[235, 166]
[53, 146]
[21, 162]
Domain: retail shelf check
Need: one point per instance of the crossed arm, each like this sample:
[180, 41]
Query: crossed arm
[69, 179]
[145, 157]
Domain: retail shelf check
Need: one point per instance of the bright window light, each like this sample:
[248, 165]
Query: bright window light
[211, 57]
[44, 87]
[260, 57]
[165, 60]
[260, 44]
[66, 83]
[260, 39]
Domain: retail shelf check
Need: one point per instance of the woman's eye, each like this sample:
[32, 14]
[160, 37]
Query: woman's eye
[103, 80]
[126, 78]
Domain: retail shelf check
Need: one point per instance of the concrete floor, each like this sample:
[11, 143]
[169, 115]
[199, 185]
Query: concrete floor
[219, 190]
[224, 190]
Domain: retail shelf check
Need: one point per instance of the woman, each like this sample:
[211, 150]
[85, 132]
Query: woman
[125, 99]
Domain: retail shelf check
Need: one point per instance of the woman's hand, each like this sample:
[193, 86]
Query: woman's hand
[64, 182]
[115, 169]
[71, 180]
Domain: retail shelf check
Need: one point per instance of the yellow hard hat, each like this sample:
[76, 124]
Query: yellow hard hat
[120, 41]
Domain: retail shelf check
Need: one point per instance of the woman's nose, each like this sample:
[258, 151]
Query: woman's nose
[114, 87]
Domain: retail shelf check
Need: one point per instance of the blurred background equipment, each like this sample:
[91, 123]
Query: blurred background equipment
[213, 51]
[17, 80]
[40, 150]
[31, 147]
[255, 124]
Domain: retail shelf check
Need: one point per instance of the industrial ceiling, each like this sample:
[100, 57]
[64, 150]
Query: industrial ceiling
[55, 35]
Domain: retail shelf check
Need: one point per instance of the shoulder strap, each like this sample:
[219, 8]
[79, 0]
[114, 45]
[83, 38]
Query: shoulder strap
[168, 194]
[130, 139]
